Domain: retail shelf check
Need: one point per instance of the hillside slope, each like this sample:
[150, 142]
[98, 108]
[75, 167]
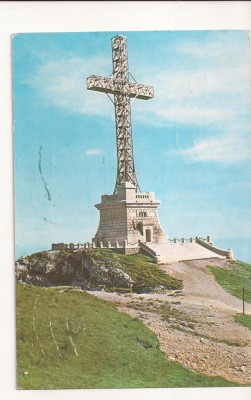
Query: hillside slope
[196, 327]
[67, 338]
[95, 270]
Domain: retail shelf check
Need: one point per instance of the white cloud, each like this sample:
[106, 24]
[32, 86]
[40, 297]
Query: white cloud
[198, 97]
[93, 152]
[209, 83]
[62, 83]
[183, 83]
[220, 47]
[224, 149]
[212, 94]
[195, 115]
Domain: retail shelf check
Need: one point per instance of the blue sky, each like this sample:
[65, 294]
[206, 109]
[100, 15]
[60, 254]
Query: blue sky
[191, 142]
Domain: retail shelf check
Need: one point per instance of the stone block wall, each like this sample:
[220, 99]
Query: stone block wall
[142, 217]
[126, 251]
[132, 221]
[112, 222]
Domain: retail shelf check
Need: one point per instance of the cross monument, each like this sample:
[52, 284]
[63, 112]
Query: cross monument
[128, 215]
[123, 90]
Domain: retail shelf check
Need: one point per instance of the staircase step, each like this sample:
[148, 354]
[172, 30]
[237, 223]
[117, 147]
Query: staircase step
[181, 252]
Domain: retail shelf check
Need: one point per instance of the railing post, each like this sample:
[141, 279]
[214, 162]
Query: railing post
[243, 300]
[230, 254]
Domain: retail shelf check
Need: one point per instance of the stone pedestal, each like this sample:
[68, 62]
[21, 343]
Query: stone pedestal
[129, 215]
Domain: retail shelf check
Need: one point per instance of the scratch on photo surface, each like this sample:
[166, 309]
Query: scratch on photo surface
[48, 221]
[34, 328]
[41, 174]
[71, 340]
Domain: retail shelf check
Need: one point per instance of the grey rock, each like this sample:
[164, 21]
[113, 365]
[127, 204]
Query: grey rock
[83, 268]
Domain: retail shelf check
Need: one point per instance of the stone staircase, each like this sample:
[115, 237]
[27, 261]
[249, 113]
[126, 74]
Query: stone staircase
[173, 252]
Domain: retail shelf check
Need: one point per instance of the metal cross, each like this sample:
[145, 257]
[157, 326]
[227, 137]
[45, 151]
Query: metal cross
[122, 89]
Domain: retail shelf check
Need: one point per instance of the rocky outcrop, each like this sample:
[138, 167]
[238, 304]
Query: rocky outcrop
[84, 268]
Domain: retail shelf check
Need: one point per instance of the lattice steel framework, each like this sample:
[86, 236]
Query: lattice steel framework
[122, 89]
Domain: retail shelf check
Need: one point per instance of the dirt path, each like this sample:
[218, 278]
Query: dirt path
[196, 327]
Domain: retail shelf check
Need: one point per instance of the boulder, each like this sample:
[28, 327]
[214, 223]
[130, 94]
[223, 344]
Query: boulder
[85, 268]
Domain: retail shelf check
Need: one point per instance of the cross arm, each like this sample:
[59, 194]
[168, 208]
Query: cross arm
[113, 86]
[142, 92]
[100, 84]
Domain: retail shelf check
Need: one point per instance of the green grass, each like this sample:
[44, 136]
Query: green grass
[244, 320]
[113, 349]
[147, 276]
[234, 277]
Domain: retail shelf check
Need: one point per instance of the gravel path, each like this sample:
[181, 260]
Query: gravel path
[196, 327]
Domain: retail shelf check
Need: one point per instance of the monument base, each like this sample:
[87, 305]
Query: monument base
[129, 216]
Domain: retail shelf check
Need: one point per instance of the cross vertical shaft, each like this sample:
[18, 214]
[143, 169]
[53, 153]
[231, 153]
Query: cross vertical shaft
[125, 160]
[122, 89]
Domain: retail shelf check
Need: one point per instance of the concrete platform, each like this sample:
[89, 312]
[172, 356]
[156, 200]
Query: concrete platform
[168, 253]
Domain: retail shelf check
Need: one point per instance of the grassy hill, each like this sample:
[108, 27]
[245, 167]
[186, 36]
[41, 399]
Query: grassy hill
[147, 276]
[95, 269]
[244, 320]
[233, 277]
[67, 338]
